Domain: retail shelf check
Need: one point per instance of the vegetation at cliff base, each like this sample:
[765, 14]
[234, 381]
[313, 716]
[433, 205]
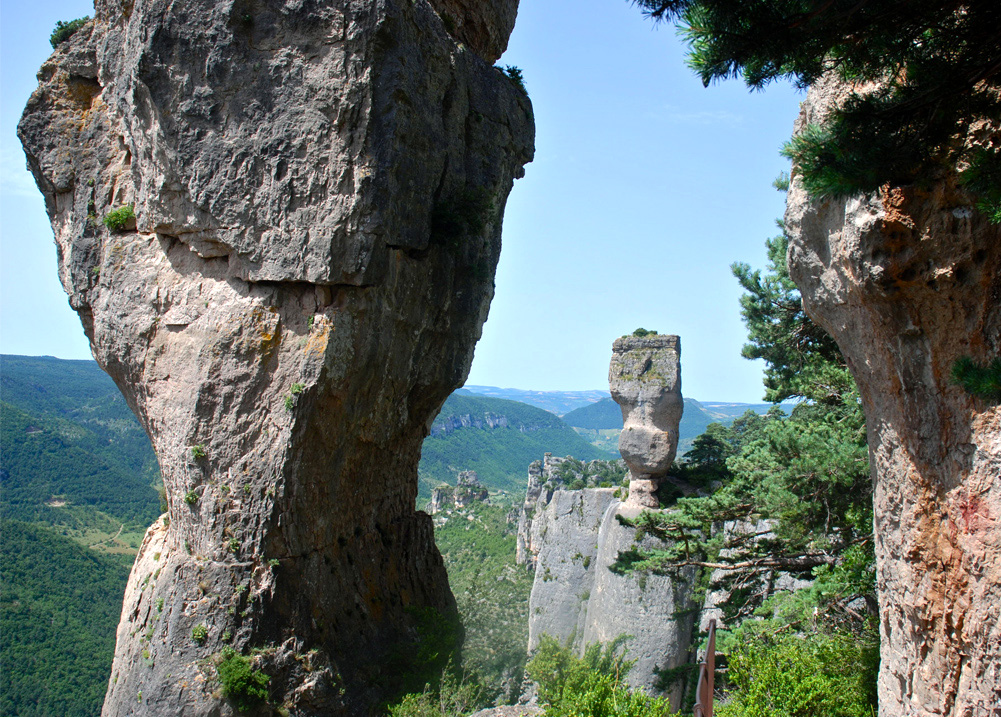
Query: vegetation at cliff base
[926, 74]
[591, 685]
[491, 591]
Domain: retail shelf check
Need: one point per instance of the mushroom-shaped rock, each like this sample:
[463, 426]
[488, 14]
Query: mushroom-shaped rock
[645, 380]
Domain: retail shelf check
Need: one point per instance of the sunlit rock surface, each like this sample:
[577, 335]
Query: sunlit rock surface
[317, 191]
[908, 280]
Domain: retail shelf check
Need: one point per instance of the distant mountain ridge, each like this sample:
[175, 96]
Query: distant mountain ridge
[497, 438]
[558, 402]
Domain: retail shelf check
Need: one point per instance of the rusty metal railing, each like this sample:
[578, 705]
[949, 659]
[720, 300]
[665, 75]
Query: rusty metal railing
[707, 669]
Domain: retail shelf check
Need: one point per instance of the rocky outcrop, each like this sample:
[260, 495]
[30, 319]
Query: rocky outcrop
[309, 199]
[577, 594]
[574, 538]
[466, 491]
[645, 380]
[451, 424]
[908, 280]
[547, 476]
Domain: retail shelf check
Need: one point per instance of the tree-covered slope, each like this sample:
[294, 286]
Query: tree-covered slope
[69, 440]
[478, 546]
[59, 607]
[496, 438]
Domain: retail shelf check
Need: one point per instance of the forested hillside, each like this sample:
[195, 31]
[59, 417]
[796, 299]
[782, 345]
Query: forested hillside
[58, 611]
[496, 438]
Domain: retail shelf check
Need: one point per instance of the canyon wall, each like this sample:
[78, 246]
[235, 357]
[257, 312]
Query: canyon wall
[310, 198]
[908, 280]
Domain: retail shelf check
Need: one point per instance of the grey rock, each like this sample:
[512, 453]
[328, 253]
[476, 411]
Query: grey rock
[318, 191]
[577, 596]
[566, 536]
[907, 280]
[644, 377]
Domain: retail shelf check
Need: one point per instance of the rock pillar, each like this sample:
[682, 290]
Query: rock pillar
[308, 199]
[645, 380]
[908, 280]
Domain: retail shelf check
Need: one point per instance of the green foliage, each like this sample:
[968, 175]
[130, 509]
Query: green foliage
[817, 675]
[118, 219]
[641, 332]
[199, 633]
[515, 75]
[59, 607]
[801, 359]
[73, 456]
[935, 67]
[198, 452]
[591, 686]
[454, 696]
[980, 381]
[490, 590]
[191, 497]
[65, 30]
[244, 686]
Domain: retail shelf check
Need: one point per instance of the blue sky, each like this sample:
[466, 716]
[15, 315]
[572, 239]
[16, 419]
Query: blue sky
[645, 188]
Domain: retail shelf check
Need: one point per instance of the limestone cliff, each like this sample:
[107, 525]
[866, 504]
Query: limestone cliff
[311, 198]
[573, 537]
[908, 280]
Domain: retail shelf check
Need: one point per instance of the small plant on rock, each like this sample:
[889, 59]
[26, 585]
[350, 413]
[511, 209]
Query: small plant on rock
[65, 30]
[118, 219]
[191, 497]
[241, 683]
[198, 452]
[200, 633]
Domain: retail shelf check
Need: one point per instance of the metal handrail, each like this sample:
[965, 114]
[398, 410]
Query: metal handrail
[707, 670]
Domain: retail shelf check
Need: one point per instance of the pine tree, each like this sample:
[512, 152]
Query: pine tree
[928, 74]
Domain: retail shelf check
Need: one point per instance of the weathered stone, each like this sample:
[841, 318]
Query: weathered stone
[644, 377]
[466, 491]
[578, 537]
[317, 190]
[908, 280]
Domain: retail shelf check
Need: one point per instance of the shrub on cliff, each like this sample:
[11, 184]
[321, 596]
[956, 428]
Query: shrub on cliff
[816, 675]
[241, 683]
[65, 30]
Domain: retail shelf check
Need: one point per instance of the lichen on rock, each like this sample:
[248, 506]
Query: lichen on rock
[285, 315]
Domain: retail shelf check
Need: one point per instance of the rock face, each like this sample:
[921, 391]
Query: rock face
[908, 280]
[466, 491]
[645, 380]
[578, 536]
[573, 538]
[317, 191]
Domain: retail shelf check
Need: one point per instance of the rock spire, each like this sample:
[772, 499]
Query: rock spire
[310, 198]
[644, 377]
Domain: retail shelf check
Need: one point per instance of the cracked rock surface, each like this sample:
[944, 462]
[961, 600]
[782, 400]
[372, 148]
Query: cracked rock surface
[644, 377]
[317, 191]
[908, 280]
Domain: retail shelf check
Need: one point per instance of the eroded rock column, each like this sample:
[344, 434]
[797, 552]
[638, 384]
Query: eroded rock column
[644, 377]
[311, 198]
[908, 280]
